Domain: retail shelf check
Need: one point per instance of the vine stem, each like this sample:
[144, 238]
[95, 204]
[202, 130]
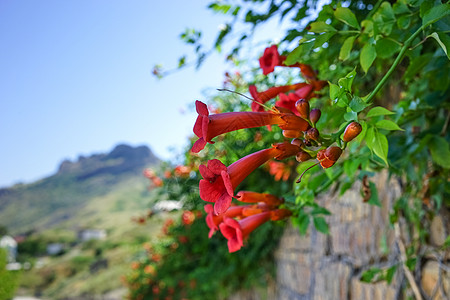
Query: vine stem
[394, 65]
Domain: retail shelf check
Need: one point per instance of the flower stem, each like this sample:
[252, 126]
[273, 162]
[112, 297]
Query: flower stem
[394, 65]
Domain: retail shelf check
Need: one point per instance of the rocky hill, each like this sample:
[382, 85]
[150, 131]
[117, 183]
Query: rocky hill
[60, 197]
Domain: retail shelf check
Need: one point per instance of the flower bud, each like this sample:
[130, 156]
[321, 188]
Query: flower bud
[353, 130]
[290, 134]
[327, 157]
[303, 108]
[333, 153]
[280, 214]
[297, 142]
[307, 143]
[314, 115]
[312, 134]
[302, 156]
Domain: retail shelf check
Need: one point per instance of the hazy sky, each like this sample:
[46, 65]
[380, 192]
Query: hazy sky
[75, 79]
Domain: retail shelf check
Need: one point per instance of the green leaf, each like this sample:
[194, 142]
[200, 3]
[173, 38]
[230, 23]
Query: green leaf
[350, 167]
[417, 64]
[362, 135]
[404, 21]
[374, 200]
[319, 210]
[335, 92]
[380, 146]
[386, 11]
[425, 7]
[379, 111]
[435, 13]
[296, 55]
[322, 38]
[350, 116]
[370, 274]
[446, 243]
[443, 41]
[346, 48]
[367, 27]
[357, 104]
[388, 125]
[347, 16]
[440, 153]
[321, 225]
[368, 55]
[386, 48]
[400, 7]
[390, 274]
[319, 27]
[370, 138]
[302, 221]
[347, 81]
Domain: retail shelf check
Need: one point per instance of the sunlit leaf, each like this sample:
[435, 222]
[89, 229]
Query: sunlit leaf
[380, 146]
[388, 125]
[379, 111]
[367, 56]
[435, 13]
[443, 41]
[345, 15]
[319, 27]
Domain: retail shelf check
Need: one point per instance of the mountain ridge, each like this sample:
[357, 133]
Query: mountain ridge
[57, 198]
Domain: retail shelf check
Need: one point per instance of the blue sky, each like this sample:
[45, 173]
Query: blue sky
[75, 79]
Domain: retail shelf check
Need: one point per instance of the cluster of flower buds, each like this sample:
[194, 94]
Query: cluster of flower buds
[238, 221]
[293, 115]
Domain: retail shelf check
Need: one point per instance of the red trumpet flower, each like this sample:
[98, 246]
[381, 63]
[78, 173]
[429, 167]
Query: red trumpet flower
[270, 59]
[220, 181]
[263, 97]
[209, 126]
[280, 214]
[236, 232]
[254, 197]
[288, 101]
[213, 221]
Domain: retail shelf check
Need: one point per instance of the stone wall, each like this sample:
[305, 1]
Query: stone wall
[318, 266]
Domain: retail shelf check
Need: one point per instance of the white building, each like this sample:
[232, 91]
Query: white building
[10, 245]
[91, 234]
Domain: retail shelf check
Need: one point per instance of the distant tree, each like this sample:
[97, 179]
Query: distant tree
[3, 230]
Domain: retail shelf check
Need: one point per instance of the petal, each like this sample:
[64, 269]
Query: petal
[222, 204]
[211, 232]
[210, 222]
[208, 208]
[216, 166]
[234, 245]
[227, 182]
[212, 192]
[198, 126]
[229, 227]
[198, 145]
[205, 124]
[201, 108]
[206, 173]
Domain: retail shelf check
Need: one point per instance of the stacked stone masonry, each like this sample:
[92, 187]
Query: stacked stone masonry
[318, 266]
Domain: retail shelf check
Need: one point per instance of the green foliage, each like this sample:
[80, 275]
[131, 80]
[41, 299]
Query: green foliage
[387, 68]
[9, 279]
[186, 264]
